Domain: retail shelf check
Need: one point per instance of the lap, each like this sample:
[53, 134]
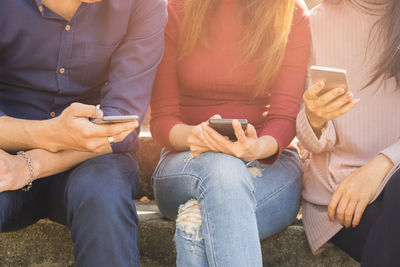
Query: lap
[276, 187]
[353, 240]
[102, 177]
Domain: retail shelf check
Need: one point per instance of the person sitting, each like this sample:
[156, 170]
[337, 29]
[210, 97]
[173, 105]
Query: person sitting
[58, 60]
[352, 178]
[229, 59]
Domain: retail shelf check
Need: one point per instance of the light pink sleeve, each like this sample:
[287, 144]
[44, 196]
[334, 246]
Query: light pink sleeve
[309, 140]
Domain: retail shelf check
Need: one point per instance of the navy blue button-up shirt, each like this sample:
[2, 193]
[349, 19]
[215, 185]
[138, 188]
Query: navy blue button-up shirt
[106, 54]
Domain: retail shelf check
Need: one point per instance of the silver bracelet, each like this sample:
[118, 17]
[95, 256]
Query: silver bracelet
[31, 170]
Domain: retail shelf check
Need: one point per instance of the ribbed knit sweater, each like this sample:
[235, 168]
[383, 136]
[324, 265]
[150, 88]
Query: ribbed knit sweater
[340, 39]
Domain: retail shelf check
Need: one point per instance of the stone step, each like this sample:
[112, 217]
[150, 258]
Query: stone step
[49, 244]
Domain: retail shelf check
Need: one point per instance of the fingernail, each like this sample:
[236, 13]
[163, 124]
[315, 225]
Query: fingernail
[340, 90]
[349, 95]
[355, 101]
[354, 225]
[320, 84]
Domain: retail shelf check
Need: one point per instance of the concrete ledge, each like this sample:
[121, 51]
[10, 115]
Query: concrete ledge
[48, 244]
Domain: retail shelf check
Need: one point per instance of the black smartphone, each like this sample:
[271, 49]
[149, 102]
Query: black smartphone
[116, 119]
[225, 128]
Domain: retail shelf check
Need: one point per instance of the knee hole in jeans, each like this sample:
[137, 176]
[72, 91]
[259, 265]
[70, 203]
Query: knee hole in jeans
[189, 219]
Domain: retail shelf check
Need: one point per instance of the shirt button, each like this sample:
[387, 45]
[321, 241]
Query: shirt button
[52, 114]
[41, 8]
[68, 28]
[62, 70]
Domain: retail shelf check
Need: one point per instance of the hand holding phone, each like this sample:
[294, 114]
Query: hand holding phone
[225, 128]
[328, 98]
[332, 77]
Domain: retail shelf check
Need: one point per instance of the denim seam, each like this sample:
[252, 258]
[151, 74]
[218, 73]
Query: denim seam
[273, 194]
[164, 177]
[209, 232]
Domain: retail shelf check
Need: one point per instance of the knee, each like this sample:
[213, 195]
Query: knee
[189, 220]
[225, 172]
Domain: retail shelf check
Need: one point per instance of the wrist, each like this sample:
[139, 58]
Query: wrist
[267, 146]
[46, 135]
[384, 162]
[36, 161]
[316, 123]
[23, 166]
[29, 171]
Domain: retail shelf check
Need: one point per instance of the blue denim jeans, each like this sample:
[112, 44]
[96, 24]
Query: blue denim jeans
[240, 203]
[94, 199]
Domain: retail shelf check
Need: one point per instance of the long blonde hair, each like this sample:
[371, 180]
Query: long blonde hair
[267, 27]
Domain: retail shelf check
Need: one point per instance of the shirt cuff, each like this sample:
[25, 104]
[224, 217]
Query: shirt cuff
[309, 140]
[2, 113]
[283, 132]
[160, 132]
[131, 142]
[393, 153]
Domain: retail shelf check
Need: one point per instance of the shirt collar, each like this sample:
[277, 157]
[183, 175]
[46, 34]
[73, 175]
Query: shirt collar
[39, 5]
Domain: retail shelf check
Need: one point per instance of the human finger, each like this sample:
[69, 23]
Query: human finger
[215, 116]
[213, 139]
[331, 95]
[349, 212]
[240, 135]
[251, 131]
[213, 135]
[337, 103]
[341, 208]
[113, 129]
[121, 136]
[314, 91]
[359, 211]
[349, 106]
[333, 203]
[194, 141]
[86, 111]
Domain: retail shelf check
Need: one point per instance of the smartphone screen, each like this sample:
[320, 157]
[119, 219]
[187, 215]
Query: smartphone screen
[116, 119]
[225, 128]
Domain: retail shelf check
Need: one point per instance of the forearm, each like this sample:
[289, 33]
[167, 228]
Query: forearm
[19, 134]
[178, 136]
[47, 163]
[267, 146]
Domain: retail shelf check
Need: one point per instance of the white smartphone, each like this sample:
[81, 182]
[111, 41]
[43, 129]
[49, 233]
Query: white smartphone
[332, 77]
[116, 119]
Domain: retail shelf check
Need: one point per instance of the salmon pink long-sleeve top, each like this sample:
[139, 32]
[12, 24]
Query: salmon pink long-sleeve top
[215, 80]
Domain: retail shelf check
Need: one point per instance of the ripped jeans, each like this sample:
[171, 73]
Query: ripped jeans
[223, 206]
